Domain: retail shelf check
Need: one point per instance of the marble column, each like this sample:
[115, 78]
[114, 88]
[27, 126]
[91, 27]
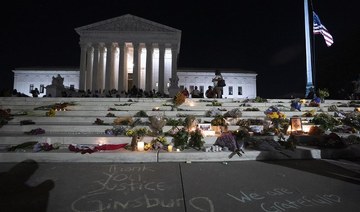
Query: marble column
[101, 69]
[174, 60]
[122, 76]
[149, 67]
[161, 68]
[109, 80]
[95, 67]
[136, 67]
[82, 83]
[89, 68]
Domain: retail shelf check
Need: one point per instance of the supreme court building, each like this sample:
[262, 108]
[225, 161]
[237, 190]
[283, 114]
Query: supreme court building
[131, 51]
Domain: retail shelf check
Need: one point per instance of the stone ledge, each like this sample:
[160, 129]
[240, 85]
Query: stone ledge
[121, 156]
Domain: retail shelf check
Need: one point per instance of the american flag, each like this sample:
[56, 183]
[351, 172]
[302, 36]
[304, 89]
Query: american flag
[321, 29]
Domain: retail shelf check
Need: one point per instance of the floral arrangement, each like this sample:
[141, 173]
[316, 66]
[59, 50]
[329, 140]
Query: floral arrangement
[296, 104]
[252, 109]
[179, 99]
[260, 100]
[181, 138]
[110, 115]
[315, 102]
[196, 140]
[158, 143]
[157, 122]
[136, 134]
[56, 106]
[174, 122]
[274, 113]
[326, 121]
[125, 104]
[50, 113]
[218, 121]
[190, 122]
[139, 132]
[323, 93]
[234, 113]
[332, 108]
[315, 130]
[22, 146]
[215, 103]
[99, 122]
[279, 123]
[213, 112]
[352, 119]
[123, 121]
[112, 109]
[36, 131]
[45, 146]
[247, 122]
[5, 116]
[141, 113]
[116, 131]
[310, 113]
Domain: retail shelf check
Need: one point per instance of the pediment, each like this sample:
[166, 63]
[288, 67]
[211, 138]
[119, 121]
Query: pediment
[127, 23]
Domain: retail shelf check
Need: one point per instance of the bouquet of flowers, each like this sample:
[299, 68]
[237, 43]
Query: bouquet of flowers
[179, 98]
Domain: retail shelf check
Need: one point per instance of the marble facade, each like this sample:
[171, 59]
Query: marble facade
[128, 51]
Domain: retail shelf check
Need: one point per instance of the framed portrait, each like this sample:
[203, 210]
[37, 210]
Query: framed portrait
[204, 127]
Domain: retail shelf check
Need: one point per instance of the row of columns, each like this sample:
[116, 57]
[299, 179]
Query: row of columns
[99, 71]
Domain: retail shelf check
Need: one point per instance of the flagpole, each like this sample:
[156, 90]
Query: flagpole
[309, 74]
[313, 63]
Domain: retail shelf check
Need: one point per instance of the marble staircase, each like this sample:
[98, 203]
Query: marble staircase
[76, 125]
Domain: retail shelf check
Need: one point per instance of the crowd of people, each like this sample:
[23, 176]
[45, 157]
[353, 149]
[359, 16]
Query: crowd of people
[215, 91]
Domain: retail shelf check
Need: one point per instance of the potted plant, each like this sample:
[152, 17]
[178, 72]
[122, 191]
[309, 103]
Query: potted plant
[218, 123]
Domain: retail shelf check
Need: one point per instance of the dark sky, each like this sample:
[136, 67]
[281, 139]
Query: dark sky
[265, 36]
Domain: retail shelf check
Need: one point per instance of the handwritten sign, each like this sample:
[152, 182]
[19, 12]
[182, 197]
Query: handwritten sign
[129, 187]
[196, 187]
[286, 200]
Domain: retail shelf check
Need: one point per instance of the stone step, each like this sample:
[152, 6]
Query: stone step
[15, 139]
[72, 128]
[188, 155]
[172, 114]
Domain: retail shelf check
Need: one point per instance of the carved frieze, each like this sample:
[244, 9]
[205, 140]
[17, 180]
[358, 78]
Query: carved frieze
[128, 23]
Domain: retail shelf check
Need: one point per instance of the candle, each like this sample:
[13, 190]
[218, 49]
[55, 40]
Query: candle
[140, 146]
[178, 150]
[170, 148]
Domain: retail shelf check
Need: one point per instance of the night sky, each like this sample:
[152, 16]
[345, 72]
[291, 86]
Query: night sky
[265, 36]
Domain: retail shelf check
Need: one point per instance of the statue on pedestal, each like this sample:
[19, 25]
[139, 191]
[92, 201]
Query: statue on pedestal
[58, 81]
[56, 88]
[174, 87]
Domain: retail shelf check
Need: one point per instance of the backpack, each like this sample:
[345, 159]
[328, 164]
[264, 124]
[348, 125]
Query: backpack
[221, 83]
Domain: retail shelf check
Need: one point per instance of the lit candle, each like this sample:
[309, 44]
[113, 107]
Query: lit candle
[178, 150]
[140, 146]
[170, 148]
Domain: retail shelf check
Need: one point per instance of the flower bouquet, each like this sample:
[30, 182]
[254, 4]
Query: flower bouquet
[179, 99]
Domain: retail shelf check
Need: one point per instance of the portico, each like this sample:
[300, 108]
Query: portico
[125, 51]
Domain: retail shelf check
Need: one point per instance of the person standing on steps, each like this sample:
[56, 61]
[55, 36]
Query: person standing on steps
[195, 93]
[35, 93]
[219, 83]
